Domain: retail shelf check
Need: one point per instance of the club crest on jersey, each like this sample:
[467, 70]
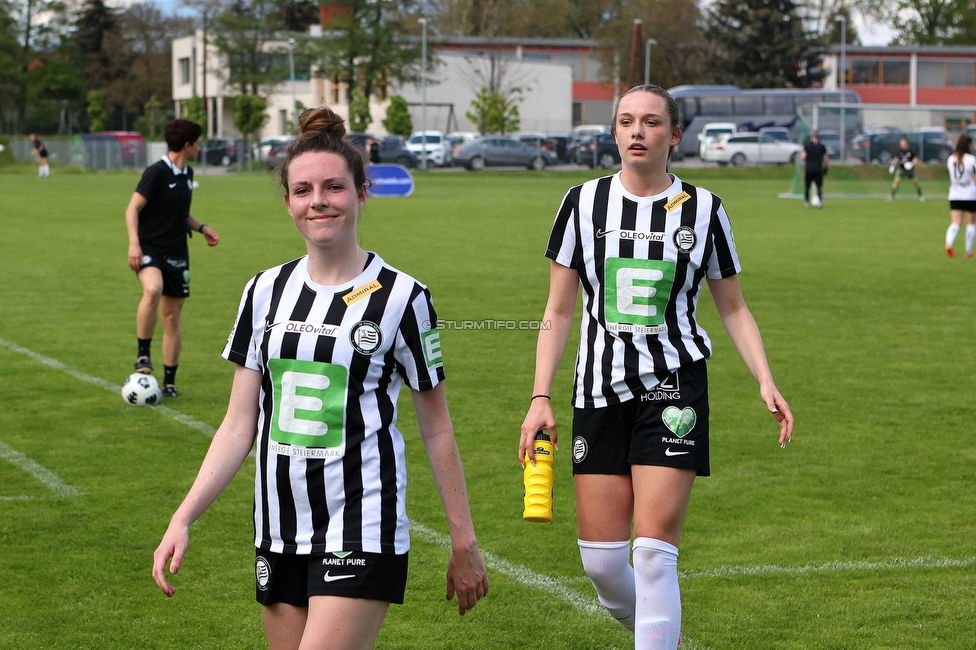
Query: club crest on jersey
[366, 337]
[685, 239]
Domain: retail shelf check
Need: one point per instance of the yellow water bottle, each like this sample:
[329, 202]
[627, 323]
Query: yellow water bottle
[538, 480]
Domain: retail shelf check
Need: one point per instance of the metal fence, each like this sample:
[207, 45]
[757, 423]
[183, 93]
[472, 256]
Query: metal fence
[98, 151]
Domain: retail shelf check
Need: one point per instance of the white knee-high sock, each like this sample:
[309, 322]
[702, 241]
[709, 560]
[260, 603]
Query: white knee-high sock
[951, 233]
[658, 597]
[607, 564]
[970, 238]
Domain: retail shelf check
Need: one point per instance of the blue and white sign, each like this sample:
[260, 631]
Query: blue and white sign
[389, 180]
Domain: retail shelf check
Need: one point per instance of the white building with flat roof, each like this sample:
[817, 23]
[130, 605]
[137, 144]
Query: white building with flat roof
[545, 100]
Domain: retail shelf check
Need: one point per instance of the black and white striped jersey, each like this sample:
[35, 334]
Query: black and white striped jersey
[641, 263]
[331, 472]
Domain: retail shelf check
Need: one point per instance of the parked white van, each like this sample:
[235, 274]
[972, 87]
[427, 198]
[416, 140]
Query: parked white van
[710, 134]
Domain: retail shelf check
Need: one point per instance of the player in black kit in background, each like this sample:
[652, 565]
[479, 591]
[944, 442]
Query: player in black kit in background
[815, 165]
[903, 166]
[158, 220]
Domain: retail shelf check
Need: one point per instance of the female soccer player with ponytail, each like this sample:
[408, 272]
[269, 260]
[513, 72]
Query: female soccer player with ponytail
[641, 243]
[962, 195]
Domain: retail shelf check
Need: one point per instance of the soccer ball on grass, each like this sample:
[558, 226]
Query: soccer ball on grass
[141, 390]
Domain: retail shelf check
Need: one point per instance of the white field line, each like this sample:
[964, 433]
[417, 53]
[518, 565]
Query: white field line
[893, 563]
[183, 419]
[42, 474]
[526, 576]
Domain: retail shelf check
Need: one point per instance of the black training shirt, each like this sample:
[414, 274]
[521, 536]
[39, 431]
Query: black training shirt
[162, 222]
[815, 156]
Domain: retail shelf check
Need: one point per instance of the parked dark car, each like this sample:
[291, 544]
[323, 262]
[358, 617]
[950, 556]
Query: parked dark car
[503, 151]
[831, 141]
[598, 151]
[555, 143]
[882, 147]
[559, 144]
[220, 151]
[391, 148]
[877, 147]
[931, 146]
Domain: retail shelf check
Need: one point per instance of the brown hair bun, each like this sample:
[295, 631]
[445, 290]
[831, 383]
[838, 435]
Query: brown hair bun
[320, 121]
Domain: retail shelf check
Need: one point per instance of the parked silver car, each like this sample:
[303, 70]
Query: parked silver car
[498, 151]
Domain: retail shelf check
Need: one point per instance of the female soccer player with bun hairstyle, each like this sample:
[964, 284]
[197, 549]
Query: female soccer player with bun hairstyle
[640, 243]
[322, 345]
[962, 195]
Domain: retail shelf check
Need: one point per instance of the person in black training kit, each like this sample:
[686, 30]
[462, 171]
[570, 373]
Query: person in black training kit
[158, 220]
[815, 164]
[903, 166]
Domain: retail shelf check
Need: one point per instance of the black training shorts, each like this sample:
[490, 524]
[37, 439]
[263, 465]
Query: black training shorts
[965, 206]
[667, 427]
[174, 264]
[288, 578]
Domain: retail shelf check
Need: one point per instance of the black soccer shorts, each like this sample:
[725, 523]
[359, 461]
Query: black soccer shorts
[289, 578]
[666, 426]
[174, 264]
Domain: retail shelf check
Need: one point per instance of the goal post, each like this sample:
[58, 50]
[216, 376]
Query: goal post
[869, 134]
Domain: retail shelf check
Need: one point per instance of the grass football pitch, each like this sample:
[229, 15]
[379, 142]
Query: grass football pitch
[861, 534]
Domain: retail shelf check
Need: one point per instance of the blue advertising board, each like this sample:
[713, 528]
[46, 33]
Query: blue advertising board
[389, 180]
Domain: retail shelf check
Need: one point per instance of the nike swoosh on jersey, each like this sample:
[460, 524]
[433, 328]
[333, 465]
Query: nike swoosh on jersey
[172, 185]
[600, 233]
[329, 578]
[668, 452]
[268, 326]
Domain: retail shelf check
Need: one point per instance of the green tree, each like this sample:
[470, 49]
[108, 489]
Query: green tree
[38, 27]
[493, 113]
[368, 47]
[359, 117]
[926, 22]
[105, 58]
[760, 44]
[241, 34]
[296, 15]
[10, 58]
[148, 35]
[97, 118]
[398, 120]
[523, 18]
[195, 111]
[250, 114]
[678, 56]
[152, 121]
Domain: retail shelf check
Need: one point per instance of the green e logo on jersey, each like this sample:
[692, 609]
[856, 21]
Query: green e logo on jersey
[309, 402]
[431, 340]
[637, 291]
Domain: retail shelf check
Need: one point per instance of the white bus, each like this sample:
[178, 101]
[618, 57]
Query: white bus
[753, 109]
